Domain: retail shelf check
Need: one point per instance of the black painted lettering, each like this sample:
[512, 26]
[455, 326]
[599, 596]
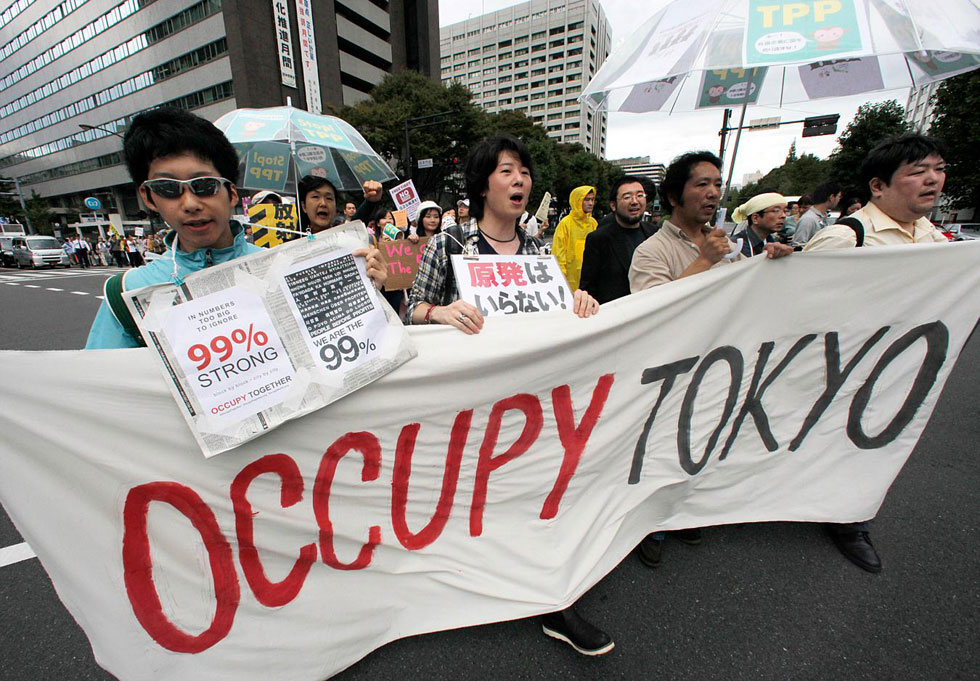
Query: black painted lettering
[736, 364]
[937, 339]
[758, 387]
[835, 379]
[667, 373]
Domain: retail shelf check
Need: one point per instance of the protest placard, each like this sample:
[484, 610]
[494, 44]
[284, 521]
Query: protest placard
[403, 258]
[406, 198]
[542, 213]
[269, 219]
[252, 343]
[508, 284]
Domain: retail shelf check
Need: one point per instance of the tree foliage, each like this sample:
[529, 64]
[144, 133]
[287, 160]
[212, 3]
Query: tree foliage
[872, 124]
[794, 178]
[407, 94]
[9, 205]
[39, 212]
[956, 123]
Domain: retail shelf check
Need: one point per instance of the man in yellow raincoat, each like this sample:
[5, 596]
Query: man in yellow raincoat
[569, 244]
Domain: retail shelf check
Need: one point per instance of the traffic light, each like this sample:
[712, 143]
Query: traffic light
[820, 125]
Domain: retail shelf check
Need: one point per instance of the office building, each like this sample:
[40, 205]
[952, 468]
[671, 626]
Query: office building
[642, 166]
[74, 72]
[534, 57]
[919, 107]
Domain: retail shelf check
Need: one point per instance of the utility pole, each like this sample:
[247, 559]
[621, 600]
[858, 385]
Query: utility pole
[412, 124]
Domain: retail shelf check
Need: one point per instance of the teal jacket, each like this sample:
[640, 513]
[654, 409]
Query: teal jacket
[108, 333]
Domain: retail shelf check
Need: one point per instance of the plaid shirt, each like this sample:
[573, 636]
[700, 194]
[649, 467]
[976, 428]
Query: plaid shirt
[430, 282]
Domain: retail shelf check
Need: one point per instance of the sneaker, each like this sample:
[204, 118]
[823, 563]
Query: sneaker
[650, 550]
[691, 536]
[566, 625]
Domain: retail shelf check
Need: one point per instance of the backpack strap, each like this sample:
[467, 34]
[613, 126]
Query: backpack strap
[454, 240]
[857, 226]
[113, 290]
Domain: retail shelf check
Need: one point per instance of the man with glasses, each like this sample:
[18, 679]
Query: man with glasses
[609, 249]
[186, 170]
[766, 215]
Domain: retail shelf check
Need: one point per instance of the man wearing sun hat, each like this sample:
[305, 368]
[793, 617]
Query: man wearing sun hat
[766, 214]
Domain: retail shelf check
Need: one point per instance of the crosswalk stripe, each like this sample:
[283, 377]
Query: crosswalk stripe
[16, 553]
[55, 289]
[79, 293]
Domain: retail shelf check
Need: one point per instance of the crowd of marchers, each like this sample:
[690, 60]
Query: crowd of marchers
[186, 172]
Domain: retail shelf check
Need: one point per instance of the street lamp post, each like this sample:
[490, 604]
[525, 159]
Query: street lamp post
[413, 123]
[20, 197]
[85, 126]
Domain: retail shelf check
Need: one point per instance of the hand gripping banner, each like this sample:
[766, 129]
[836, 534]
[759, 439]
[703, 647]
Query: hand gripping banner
[492, 477]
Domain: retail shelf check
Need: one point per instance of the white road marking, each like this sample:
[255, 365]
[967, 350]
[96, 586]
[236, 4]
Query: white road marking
[16, 553]
[55, 289]
[31, 286]
[10, 283]
[79, 293]
[100, 297]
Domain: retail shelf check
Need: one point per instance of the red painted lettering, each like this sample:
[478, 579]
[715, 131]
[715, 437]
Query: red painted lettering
[138, 566]
[573, 439]
[487, 463]
[369, 447]
[450, 478]
[269, 594]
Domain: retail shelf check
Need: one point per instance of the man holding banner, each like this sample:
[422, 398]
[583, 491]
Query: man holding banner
[905, 176]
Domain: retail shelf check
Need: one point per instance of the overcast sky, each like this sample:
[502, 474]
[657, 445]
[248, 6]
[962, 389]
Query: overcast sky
[662, 137]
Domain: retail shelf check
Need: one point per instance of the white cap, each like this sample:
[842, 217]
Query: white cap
[426, 205]
[259, 197]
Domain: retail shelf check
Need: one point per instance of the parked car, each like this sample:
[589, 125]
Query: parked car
[39, 251]
[7, 252]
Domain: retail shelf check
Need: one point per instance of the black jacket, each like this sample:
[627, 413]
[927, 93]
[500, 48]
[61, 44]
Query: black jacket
[606, 262]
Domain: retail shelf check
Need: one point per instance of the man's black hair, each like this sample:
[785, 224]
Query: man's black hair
[648, 187]
[889, 155]
[169, 131]
[481, 163]
[679, 172]
[825, 190]
[309, 183]
[805, 200]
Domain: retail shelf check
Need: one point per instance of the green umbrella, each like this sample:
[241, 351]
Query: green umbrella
[279, 145]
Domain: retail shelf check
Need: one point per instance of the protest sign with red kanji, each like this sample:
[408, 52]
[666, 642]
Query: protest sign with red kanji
[509, 284]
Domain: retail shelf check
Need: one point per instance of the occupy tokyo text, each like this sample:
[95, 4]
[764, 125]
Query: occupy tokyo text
[574, 436]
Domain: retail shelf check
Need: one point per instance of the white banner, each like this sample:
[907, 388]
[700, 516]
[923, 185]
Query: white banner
[307, 53]
[284, 43]
[428, 499]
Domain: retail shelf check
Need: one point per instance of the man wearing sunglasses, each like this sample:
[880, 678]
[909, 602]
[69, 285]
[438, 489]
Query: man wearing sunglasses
[186, 170]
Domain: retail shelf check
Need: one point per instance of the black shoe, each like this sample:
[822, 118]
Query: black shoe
[691, 536]
[650, 550]
[857, 548]
[567, 626]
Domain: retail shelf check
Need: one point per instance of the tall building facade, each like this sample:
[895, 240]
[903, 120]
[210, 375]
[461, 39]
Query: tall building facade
[534, 57]
[73, 73]
[919, 107]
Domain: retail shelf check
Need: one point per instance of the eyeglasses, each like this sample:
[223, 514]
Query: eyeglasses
[199, 186]
[630, 197]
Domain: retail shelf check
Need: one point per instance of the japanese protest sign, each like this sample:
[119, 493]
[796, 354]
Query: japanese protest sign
[268, 219]
[786, 32]
[841, 77]
[508, 284]
[365, 522]
[250, 344]
[315, 160]
[403, 258]
[406, 198]
[307, 55]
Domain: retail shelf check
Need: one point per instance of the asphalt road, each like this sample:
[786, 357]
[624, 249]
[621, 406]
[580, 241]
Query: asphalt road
[760, 601]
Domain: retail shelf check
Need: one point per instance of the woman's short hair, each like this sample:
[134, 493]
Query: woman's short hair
[483, 160]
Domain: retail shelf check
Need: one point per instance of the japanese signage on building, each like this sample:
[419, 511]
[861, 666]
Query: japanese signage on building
[284, 43]
[307, 53]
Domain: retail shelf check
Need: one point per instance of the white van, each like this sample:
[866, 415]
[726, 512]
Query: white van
[39, 251]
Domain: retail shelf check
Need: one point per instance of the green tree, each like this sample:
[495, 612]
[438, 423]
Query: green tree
[40, 213]
[406, 95]
[872, 124]
[795, 177]
[956, 123]
[9, 205]
[791, 155]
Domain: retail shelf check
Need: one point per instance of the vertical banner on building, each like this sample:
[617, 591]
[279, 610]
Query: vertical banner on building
[307, 53]
[284, 42]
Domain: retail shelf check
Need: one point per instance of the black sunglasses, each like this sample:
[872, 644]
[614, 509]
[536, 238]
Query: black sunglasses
[199, 186]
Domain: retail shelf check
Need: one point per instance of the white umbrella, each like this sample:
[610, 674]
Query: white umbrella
[712, 53]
